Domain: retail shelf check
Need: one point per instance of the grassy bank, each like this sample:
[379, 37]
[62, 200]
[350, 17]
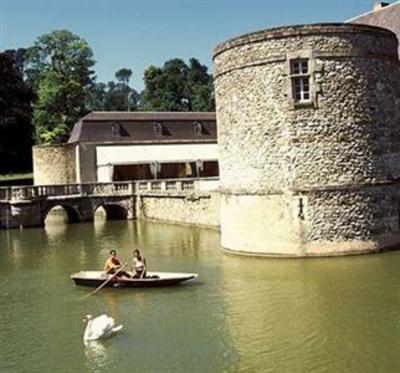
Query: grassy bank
[10, 177]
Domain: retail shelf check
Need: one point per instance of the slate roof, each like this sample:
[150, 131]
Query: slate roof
[145, 127]
[387, 17]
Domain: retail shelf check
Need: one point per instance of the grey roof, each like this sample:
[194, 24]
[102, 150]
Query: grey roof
[140, 127]
[387, 17]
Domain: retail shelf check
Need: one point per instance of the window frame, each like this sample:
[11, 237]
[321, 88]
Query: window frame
[116, 130]
[298, 78]
[197, 127]
[158, 128]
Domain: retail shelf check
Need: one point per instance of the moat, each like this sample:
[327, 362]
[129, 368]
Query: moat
[242, 314]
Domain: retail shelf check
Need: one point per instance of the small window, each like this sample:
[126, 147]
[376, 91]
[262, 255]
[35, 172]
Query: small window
[197, 128]
[158, 128]
[299, 67]
[299, 73]
[115, 129]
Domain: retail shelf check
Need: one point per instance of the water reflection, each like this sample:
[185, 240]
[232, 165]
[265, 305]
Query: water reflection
[243, 314]
[96, 355]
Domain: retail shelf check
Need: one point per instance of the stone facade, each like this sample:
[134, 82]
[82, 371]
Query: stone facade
[86, 165]
[314, 176]
[202, 209]
[54, 164]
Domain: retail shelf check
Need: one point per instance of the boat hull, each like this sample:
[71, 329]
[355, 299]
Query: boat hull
[153, 279]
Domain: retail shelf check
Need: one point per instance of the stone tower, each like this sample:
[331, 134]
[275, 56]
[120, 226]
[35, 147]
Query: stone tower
[309, 140]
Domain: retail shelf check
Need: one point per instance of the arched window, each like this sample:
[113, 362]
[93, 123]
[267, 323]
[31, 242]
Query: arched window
[116, 129]
[197, 128]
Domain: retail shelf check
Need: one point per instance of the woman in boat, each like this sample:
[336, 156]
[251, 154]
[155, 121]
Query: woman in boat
[113, 264]
[139, 265]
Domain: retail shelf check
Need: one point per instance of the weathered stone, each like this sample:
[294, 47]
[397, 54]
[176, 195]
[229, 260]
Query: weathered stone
[309, 179]
[202, 209]
[54, 164]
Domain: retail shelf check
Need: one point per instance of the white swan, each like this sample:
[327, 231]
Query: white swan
[99, 327]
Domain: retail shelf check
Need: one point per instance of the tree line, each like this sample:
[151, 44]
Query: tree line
[46, 88]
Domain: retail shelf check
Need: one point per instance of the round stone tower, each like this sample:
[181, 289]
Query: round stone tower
[309, 140]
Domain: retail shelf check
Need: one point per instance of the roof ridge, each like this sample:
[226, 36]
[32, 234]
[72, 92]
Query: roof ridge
[373, 11]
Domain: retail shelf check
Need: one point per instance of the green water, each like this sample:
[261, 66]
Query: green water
[242, 314]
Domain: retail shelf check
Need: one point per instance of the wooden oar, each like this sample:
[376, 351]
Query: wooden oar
[105, 282]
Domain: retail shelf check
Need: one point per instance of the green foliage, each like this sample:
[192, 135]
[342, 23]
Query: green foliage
[15, 114]
[96, 96]
[123, 75]
[114, 96]
[60, 69]
[178, 87]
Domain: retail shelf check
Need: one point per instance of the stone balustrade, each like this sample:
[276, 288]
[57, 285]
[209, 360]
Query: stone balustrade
[28, 193]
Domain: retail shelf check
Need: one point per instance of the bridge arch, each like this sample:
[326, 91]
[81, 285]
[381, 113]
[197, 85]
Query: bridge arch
[71, 213]
[112, 211]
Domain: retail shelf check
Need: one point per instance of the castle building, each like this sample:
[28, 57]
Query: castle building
[309, 140]
[119, 146]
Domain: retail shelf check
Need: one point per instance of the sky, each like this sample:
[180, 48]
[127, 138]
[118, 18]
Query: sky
[138, 33]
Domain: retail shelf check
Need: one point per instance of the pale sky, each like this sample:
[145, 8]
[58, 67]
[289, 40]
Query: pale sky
[138, 33]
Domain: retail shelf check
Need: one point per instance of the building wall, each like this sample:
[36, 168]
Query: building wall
[108, 156]
[86, 167]
[54, 164]
[196, 208]
[275, 154]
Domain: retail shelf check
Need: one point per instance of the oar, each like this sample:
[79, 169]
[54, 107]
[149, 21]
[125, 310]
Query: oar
[105, 282]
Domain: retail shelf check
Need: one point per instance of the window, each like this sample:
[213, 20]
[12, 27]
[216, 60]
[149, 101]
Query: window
[300, 76]
[158, 128]
[115, 130]
[197, 128]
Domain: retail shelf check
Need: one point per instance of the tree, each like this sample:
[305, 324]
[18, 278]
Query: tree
[119, 96]
[199, 87]
[15, 115]
[96, 96]
[178, 87]
[60, 66]
[123, 75]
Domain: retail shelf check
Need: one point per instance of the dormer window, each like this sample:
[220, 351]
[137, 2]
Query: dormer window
[158, 128]
[197, 128]
[115, 129]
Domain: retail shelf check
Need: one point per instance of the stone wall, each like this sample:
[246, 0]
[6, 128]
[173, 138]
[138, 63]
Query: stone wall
[196, 208]
[347, 136]
[87, 172]
[54, 164]
[191, 207]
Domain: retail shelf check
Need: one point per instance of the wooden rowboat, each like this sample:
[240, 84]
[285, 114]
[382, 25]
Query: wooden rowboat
[152, 279]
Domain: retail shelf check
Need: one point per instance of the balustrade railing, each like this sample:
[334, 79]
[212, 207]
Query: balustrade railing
[21, 193]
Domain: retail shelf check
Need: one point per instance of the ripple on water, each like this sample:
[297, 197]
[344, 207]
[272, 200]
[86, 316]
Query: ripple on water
[243, 314]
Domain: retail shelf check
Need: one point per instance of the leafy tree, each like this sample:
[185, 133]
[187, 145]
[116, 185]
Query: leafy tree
[199, 87]
[96, 96]
[123, 75]
[60, 66]
[119, 95]
[15, 115]
[178, 87]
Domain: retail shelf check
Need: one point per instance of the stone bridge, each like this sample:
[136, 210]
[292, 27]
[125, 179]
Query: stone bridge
[28, 206]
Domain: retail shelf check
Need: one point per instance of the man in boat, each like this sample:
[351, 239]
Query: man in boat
[113, 265]
[139, 264]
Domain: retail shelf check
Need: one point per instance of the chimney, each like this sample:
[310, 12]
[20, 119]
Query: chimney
[380, 4]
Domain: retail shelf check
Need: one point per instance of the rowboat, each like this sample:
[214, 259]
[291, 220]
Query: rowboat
[152, 279]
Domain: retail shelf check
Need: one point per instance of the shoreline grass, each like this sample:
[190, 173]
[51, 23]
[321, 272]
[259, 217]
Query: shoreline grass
[16, 176]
